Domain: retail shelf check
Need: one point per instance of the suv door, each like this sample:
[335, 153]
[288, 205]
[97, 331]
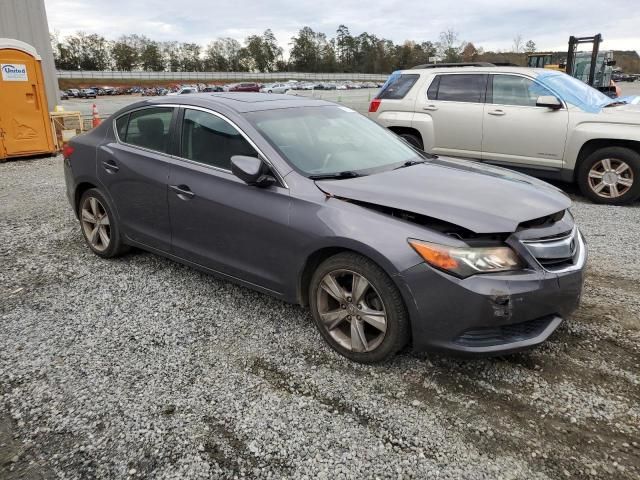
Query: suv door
[516, 131]
[451, 109]
[134, 171]
[217, 220]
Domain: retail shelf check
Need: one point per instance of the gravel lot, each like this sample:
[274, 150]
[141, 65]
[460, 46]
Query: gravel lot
[143, 368]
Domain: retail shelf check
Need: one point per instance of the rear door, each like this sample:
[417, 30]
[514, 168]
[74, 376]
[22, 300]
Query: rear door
[449, 113]
[516, 131]
[135, 171]
[217, 220]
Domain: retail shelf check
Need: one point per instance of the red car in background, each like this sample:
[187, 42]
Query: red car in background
[245, 87]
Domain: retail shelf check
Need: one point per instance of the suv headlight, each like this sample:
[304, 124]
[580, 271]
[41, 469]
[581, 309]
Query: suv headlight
[466, 261]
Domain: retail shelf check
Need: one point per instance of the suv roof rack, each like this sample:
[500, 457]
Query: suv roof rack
[449, 65]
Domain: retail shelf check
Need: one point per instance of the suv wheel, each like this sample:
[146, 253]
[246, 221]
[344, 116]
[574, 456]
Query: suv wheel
[358, 309]
[413, 140]
[611, 175]
[99, 225]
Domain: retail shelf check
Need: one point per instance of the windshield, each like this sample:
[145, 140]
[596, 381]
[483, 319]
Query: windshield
[330, 140]
[574, 91]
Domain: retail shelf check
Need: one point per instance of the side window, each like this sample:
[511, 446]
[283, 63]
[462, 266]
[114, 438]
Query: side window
[121, 126]
[460, 88]
[397, 86]
[211, 140]
[149, 128]
[514, 90]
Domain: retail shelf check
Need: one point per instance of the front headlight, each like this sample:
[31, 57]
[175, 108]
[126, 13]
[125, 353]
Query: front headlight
[467, 261]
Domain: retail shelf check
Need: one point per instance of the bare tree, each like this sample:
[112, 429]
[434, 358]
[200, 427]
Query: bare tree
[517, 44]
[530, 46]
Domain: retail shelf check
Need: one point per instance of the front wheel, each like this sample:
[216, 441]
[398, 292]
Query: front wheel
[611, 175]
[358, 309]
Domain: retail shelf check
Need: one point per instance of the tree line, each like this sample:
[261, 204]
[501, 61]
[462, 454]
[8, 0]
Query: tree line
[310, 51]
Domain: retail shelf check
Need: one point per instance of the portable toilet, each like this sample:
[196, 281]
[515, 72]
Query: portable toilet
[25, 128]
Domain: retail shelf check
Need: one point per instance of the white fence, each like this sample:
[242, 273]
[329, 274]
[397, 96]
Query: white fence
[204, 76]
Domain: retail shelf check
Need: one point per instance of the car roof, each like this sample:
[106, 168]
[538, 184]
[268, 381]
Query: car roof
[480, 69]
[242, 102]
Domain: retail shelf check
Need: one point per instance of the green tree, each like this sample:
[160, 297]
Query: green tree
[151, 58]
[125, 52]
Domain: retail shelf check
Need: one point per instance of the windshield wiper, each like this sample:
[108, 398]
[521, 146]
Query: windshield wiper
[338, 175]
[410, 163]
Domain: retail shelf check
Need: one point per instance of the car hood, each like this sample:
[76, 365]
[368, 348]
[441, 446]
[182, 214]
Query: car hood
[478, 197]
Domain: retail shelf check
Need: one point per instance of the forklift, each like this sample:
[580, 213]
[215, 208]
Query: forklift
[593, 68]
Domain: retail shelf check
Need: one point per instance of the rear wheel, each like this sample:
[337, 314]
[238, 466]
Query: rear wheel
[611, 175]
[413, 140]
[358, 309]
[99, 225]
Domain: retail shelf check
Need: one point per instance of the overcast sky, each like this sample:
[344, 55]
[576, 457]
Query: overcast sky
[491, 24]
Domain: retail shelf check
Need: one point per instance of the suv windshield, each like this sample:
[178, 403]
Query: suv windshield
[331, 140]
[574, 91]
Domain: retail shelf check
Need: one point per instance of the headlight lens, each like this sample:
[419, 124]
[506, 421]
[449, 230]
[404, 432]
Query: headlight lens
[467, 261]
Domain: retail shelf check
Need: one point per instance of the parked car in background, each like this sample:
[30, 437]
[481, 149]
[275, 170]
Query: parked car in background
[541, 121]
[213, 88]
[184, 91]
[64, 95]
[87, 93]
[276, 88]
[73, 92]
[244, 87]
[289, 196]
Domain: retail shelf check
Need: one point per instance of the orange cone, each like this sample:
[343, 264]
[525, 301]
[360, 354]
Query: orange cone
[94, 114]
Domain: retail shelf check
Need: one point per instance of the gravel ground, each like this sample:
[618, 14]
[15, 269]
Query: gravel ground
[143, 368]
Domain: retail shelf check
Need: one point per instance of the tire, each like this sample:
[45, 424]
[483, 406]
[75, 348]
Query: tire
[413, 140]
[621, 186]
[92, 205]
[381, 324]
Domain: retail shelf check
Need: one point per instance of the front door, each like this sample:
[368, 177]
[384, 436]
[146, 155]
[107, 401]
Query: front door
[24, 125]
[217, 220]
[135, 171]
[515, 131]
[452, 108]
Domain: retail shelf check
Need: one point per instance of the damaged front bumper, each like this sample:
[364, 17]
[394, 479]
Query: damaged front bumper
[491, 313]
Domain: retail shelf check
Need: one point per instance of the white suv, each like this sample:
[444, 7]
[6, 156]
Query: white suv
[537, 120]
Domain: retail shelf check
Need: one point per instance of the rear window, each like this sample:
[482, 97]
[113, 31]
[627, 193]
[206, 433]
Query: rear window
[459, 88]
[398, 85]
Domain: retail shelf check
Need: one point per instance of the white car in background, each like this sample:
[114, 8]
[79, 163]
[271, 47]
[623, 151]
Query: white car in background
[276, 88]
[541, 121]
[184, 90]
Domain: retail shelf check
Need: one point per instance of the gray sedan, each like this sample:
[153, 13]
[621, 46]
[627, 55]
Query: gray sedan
[315, 204]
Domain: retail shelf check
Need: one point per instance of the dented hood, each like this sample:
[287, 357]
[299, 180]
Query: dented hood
[478, 197]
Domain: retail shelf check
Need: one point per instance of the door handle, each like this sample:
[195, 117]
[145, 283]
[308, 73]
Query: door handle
[497, 113]
[182, 191]
[433, 108]
[110, 166]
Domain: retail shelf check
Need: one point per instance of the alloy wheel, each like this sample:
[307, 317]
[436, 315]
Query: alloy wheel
[610, 178]
[351, 311]
[95, 224]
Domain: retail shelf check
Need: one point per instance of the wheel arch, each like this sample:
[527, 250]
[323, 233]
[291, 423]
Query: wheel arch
[593, 145]
[407, 130]
[319, 255]
[80, 189]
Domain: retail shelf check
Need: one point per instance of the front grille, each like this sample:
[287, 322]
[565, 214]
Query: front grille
[490, 336]
[555, 252]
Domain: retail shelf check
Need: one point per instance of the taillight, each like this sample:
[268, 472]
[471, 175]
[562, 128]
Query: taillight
[67, 150]
[373, 106]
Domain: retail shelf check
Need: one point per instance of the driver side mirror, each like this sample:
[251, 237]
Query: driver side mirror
[252, 171]
[549, 101]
